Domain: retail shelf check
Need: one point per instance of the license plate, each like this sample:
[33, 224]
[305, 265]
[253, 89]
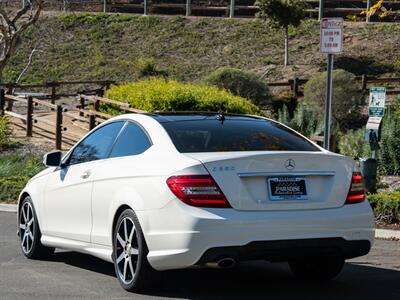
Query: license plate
[287, 188]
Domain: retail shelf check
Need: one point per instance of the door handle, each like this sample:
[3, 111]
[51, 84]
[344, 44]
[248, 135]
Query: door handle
[85, 174]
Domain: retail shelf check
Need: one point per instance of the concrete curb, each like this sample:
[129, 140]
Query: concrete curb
[387, 234]
[8, 207]
[379, 233]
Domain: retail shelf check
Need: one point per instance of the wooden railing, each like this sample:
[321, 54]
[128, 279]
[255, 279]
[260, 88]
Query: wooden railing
[29, 120]
[87, 111]
[87, 108]
[54, 87]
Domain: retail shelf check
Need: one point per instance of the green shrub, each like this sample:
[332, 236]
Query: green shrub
[389, 152]
[20, 165]
[15, 171]
[386, 206]
[305, 120]
[5, 132]
[352, 144]
[148, 68]
[241, 83]
[158, 94]
[10, 187]
[345, 111]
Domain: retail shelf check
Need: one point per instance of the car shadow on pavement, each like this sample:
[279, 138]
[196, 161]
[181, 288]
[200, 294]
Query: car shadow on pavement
[83, 261]
[257, 280]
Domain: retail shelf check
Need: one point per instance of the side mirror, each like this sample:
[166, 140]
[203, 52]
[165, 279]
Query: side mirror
[52, 159]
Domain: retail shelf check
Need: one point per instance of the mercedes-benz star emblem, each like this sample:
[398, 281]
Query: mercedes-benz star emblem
[290, 164]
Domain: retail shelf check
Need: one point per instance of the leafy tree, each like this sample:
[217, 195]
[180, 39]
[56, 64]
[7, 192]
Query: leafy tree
[345, 95]
[282, 13]
[13, 24]
[390, 141]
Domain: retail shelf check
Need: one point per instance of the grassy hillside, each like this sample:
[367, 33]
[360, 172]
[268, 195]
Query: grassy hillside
[98, 46]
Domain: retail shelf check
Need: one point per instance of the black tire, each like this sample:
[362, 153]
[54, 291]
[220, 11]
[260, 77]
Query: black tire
[144, 276]
[29, 232]
[318, 269]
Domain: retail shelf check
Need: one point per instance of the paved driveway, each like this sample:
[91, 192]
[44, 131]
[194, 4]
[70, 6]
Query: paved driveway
[71, 275]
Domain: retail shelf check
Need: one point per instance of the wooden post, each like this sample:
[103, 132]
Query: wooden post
[10, 103]
[96, 105]
[333, 143]
[59, 127]
[295, 88]
[363, 82]
[53, 93]
[92, 121]
[188, 8]
[82, 105]
[232, 9]
[29, 117]
[2, 101]
[364, 89]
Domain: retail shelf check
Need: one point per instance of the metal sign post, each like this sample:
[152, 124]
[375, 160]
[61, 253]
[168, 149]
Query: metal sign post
[328, 102]
[331, 43]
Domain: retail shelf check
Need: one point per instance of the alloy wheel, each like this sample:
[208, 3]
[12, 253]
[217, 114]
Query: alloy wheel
[127, 250]
[27, 227]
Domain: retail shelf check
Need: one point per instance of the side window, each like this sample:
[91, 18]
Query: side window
[132, 141]
[97, 145]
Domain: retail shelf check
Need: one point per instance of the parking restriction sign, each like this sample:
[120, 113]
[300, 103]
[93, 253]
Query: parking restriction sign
[331, 39]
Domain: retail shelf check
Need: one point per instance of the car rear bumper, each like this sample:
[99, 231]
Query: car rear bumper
[286, 250]
[180, 236]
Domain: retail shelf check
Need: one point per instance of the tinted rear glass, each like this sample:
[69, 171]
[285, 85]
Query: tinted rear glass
[234, 134]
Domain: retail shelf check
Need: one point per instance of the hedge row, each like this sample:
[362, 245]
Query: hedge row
[386, 206]
[10, 187]
[15, 171]
[158, 94]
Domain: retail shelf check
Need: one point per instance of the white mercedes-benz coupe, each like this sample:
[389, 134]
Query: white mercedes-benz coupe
[152, 192]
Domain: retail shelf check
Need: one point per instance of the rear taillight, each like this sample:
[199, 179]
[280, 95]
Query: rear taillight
[356, 192]
[198, 190]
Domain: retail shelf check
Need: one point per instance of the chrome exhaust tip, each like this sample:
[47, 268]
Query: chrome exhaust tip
[223, 263]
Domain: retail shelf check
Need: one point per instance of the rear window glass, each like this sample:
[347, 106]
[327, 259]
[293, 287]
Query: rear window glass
[241, 134]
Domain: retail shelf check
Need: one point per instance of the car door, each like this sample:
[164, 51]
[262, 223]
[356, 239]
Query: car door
[121, 174]
[68, 193]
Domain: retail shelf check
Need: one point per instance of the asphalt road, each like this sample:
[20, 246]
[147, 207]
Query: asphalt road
[71, 275]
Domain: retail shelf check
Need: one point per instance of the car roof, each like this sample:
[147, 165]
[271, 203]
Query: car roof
[165, 117]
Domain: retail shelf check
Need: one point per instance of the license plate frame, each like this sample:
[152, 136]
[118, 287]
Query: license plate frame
[287, 188]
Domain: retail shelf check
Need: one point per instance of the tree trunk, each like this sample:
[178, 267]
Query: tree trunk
[286, 46]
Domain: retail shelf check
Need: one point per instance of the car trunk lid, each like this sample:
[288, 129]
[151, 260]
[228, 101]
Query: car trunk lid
[250, 180]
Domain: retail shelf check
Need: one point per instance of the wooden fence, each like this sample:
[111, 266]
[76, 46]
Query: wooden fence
[87, 108]
[392, 85]
[53, 88]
